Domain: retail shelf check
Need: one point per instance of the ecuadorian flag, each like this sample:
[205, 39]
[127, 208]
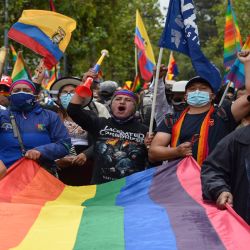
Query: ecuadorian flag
[159, 208]
[47, 33]
[146, 58]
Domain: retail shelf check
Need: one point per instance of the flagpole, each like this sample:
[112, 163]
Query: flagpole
[156, 80]
[224, 94]
[6, 17]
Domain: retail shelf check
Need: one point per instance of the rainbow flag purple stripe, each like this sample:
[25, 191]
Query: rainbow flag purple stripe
[159, 208]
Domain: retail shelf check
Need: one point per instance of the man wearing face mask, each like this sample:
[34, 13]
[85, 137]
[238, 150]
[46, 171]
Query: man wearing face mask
[42, 136]
[198, 129]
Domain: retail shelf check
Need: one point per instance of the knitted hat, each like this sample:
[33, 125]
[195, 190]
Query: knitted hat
[29, 83]
[127, 93]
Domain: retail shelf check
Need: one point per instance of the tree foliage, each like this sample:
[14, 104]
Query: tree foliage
[101, 24]
[110, 24]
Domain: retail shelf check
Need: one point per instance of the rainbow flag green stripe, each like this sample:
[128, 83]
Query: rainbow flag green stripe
[102, 223]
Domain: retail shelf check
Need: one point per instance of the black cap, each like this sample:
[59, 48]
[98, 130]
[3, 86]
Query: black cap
[199, 79]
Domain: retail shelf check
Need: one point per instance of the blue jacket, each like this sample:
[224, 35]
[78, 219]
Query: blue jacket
[40, 129]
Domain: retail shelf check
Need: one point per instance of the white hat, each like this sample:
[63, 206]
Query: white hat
[179, 86]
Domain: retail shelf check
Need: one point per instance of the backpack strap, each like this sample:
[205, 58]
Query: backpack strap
[16, 133]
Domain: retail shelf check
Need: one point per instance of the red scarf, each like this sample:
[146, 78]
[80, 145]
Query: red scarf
[202, 151]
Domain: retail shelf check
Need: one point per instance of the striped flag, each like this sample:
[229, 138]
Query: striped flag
[136, 87]
[13, 52]
[20, 70]
[127, 85]
[181, 34]
[146, 58]
[237, 71]
[172, 68]
[47, 33]
[160, 208]
[232, 38]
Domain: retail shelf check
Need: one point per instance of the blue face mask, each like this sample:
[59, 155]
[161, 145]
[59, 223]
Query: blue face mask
[65, 99]
[22, 101]
[198, 98]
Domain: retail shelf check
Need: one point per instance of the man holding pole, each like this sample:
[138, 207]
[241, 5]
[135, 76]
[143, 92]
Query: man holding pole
[198, 129]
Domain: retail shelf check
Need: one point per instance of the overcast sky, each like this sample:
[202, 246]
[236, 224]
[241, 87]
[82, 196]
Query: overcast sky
[163, 4]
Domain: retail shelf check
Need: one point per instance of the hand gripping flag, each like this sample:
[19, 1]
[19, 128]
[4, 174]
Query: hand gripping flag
[45, 32]
[159, 208]
[146, 58]
[181, 34]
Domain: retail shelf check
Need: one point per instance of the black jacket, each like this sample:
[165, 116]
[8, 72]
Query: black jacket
[227, 168]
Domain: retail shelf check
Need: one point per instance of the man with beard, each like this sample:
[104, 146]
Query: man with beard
[110, 135]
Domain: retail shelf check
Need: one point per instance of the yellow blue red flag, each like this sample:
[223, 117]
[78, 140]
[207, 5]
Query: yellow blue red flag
[47, 33]
[146, 57]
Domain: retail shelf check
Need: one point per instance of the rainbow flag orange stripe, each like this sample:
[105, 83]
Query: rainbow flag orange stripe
[142, 211]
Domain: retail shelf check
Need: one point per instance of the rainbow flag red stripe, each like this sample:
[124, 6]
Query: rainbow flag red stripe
[159, 208]
[232, 38]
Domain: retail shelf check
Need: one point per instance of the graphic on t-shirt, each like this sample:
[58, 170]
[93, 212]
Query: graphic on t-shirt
[119, 158]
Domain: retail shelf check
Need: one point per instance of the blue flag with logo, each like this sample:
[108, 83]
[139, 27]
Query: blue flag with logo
[181, 34]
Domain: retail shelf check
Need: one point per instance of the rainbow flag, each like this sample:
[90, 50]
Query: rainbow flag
[13, 52]
[146, 58]
[237, 71]
[128, 85]
[47, 33]
[20, 70]
[232, 38]
[160, 208]
[136, 87]
[172, 67]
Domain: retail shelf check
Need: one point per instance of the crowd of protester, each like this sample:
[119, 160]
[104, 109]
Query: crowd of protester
[84, 141]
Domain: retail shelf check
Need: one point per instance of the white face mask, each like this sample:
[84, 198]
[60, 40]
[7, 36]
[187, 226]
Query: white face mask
[198, 98]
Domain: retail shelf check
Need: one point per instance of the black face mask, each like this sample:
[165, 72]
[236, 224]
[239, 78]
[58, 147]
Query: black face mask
[180, 107]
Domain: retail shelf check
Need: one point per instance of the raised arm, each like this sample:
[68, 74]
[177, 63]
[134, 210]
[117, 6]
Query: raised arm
[241, 107]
